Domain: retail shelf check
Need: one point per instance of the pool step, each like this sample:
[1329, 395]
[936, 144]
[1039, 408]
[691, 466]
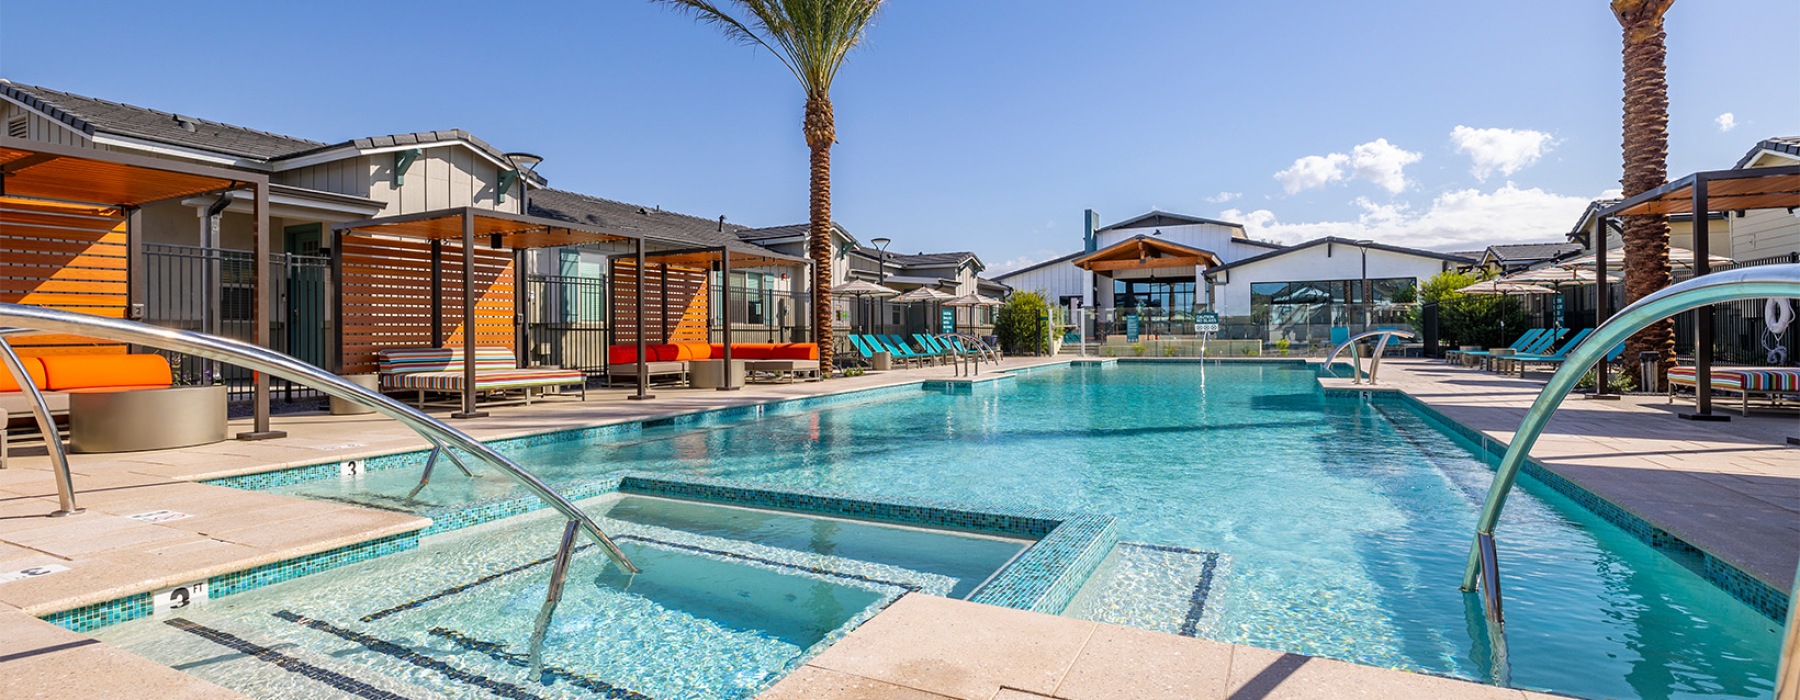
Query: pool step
[1151, 586]
[235, 657]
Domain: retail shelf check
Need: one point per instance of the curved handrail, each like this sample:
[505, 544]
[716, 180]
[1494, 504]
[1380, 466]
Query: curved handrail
[1732, 285]
[1356, 364]
[42, 320]
[982, 349]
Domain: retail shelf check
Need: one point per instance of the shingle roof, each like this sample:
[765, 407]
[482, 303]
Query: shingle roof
[417, 137]
[90, 115]
[766, 233]
[1163, 218]
[1452, 257]
[646, 221]
[932, 259]
[1779, 144]
[1530, 251]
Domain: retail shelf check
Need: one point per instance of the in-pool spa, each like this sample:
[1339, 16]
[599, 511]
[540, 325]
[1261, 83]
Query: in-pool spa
[1253, 507]
[728, 600]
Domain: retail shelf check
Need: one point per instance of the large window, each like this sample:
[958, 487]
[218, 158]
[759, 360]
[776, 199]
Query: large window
[1173, 295]
[1384, 291]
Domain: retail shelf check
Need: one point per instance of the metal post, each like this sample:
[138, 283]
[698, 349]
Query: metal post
[725, 314]
[437, 293]
[468, 319]
[1602, 299]
[1703, 316]
[643, 370]
[59, 460]
[264, 306]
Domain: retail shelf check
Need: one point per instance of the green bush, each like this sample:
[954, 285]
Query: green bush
[1170, 351]
[1469, 319]
[1138, 349]
[1020, 324]
[1282, 344]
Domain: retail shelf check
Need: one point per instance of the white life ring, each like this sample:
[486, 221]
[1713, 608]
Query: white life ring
[1777, 315]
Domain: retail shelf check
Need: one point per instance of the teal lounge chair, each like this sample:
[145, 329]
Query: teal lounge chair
[1540, 345]
[939, 345]
[1518, 344]
[898, 343]
[862, 348]
[1516, 363]
[1612, 356]
[900, 353]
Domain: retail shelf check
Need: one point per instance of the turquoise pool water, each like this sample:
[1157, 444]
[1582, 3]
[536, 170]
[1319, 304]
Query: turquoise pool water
[1343, 525]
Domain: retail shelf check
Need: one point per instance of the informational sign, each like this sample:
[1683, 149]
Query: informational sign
[174, 601]
[1206, 322]
[947, 320]
[159, 516]
[1557, 311]
[1131, 328]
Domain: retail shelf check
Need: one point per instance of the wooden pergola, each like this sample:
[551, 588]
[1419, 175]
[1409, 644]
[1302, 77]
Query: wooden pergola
[703, 258]
[70, 236]
[1700, 194]
[1145, 253]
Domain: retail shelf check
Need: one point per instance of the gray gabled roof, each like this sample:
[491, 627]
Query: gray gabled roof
[89, 116]
[414, 138]
[936, 259]
[1530, 251]
[1162, 218]
[650, 222]
[1341, 241]
[1046, 263]
[1779, 144]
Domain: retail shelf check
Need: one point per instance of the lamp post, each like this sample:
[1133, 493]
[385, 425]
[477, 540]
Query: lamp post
[526, 163]
[881, 244]
[1364, 287]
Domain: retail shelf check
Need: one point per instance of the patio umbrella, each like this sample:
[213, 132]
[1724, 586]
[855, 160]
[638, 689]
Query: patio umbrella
[1505, 287]
[1559, 277]
[863, 288]
[973, 300]
[924, 295]
[1678, 258]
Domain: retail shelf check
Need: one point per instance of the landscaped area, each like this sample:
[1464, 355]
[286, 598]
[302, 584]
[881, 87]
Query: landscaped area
[391, 416]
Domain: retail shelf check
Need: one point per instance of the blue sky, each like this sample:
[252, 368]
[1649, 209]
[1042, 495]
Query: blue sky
[986, 126]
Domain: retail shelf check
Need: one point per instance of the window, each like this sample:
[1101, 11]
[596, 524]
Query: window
[1173, 296]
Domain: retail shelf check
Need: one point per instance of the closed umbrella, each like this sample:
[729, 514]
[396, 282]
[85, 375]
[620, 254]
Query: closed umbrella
[972, 300]
[924, 295]
[1505, 287]
[1680, 258]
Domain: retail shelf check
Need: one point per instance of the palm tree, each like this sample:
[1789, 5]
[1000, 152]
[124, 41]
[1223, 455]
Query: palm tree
[1646, 150]
[811, 38]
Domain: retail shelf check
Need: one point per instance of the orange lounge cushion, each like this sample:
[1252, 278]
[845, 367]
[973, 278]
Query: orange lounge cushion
[33, 367]
[68, 372]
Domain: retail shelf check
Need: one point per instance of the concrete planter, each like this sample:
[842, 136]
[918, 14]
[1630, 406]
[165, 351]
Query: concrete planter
[130, 420]
[340, 407]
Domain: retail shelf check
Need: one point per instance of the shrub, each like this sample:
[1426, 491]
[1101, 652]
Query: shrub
[1020, 324]
[1170, 351]
[1282, 344]
[1138, 349]
[1469, 319]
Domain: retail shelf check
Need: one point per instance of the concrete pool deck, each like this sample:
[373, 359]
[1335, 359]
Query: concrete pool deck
[1732, 488]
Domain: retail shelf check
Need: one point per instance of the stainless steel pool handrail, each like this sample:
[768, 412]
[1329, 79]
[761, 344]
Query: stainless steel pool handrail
[1380, 347]
[1732, 285]
[981, 350]
[20, 319]
[59, 458]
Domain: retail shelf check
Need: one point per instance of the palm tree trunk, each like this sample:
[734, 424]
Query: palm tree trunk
[821, 133]
[1646, 153]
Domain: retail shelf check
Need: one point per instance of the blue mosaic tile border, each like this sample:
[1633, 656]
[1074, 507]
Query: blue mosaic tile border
[267, 574]
[93, 617]
[1048, 574]
[1027, 522]
[1766, 599]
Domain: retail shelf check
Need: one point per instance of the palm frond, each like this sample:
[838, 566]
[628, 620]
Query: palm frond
[810, 37]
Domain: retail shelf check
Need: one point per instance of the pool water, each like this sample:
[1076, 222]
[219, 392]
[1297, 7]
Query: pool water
[1342, 525]
[712, 615]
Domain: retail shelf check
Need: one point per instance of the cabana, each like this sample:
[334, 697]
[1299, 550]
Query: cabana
[1700, 194]
[69, 239]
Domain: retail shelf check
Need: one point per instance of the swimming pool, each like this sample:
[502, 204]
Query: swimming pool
[1341, 525]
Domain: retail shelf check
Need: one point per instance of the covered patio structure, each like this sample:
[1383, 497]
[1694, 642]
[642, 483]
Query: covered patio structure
[1150, 273]
[1700, 194]
[71, 239]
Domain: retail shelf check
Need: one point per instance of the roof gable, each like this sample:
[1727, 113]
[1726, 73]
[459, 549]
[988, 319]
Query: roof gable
[1342, 241]
[1162, 218]
[1786, 145]
[651, 222]
[1144, 252]
[92, 116]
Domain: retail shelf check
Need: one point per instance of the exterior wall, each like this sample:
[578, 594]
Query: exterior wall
[1055, 281]
[443, 177]
[1334, 261]
[1210, 237]
[38, 128]
[1764, 233]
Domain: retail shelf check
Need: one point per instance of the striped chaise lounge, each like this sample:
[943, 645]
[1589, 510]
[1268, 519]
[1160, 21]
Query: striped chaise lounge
[440, 370]
[1777, 384]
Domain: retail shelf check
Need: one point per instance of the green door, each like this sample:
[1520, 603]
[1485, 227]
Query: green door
[305, 272]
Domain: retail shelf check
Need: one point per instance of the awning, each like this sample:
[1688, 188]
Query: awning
[1145, 253]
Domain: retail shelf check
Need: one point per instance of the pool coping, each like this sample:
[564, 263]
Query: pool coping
[1732, 579]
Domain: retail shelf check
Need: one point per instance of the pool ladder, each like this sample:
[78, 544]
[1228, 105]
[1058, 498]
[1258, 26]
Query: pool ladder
[969, 363]
[1356, 372]
[17, 319]
[1482, 573]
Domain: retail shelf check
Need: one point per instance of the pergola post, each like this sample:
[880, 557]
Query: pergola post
[264, 302]
[437, 292]
[1703, 316]
[468, 319]
[1601, 300]
[725, 313]
[643, 369]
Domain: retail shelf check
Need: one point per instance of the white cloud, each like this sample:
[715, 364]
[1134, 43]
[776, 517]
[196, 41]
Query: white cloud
[1458, 220]
[1224, 197]
[1023, 261]
[1504, 150]
[1377, 161]
[1726, 121]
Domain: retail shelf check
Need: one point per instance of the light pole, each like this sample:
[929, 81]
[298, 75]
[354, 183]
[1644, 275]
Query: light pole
[881, 244]
[1364, 293]
[526, 163]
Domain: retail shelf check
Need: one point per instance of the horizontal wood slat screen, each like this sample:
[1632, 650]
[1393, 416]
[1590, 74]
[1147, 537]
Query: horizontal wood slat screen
[677, 303]
[63, 256]
[386, 291]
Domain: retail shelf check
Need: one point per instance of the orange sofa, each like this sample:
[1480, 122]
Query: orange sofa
[666, 359]
[57, 375]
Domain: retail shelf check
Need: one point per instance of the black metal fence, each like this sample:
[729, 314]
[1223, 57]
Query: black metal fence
[566, 323]
[213, 291]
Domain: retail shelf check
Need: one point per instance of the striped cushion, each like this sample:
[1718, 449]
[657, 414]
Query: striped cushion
[1763, 379]
[412, 360]
[499, 379]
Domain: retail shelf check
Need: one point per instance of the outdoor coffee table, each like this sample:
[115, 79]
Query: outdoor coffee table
[129, 420]
[710, 374]
[787, 369]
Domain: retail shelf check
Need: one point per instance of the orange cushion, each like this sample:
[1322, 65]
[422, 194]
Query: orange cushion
[33, 367]
[794, 351]
[693, 351]
[65, 372]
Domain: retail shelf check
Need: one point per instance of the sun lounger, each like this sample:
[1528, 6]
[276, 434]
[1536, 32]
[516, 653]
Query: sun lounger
[440, 370]
[1542, 344]
[1518, 344]
[898, 351]
[895, 344]
[1516, 363]
[1780, 386]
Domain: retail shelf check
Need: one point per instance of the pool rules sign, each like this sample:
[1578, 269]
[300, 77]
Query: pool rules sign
[1206, 322]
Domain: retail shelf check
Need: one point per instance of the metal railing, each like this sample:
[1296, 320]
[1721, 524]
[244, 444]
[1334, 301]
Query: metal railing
[1385, 334]
[1482, 570]
[16, 319]
[965, 361]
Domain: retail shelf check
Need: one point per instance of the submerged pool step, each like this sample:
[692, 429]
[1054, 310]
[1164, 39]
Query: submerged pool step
[246, 661]
[1151, 586]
